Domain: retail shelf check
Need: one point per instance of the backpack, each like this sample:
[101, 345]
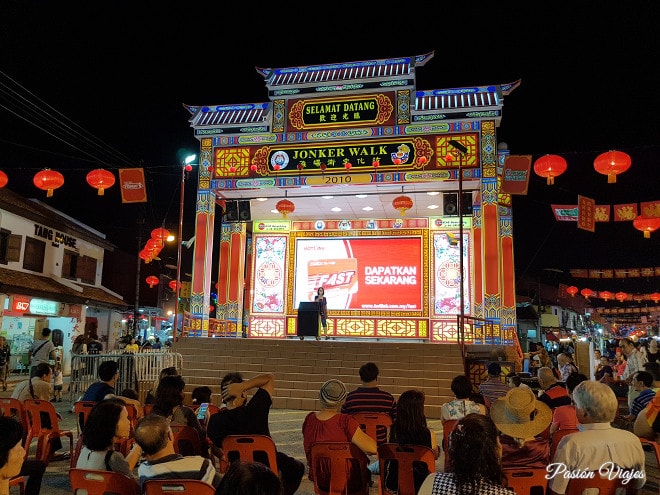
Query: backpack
[4, 352]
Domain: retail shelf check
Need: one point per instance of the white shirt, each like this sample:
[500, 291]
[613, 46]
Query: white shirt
[595, 446]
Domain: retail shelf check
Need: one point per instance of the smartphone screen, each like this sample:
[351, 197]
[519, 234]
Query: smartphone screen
[201, 412]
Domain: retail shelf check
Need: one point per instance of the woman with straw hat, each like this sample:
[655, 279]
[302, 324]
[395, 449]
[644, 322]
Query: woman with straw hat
[522, 418]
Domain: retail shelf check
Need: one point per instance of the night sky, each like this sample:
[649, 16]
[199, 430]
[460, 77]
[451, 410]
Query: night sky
[117, 74]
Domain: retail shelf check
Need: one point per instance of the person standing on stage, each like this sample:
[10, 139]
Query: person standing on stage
[323, 310]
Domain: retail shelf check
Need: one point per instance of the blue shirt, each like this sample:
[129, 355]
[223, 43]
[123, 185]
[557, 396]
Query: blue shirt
[641, 401]
[97, 391]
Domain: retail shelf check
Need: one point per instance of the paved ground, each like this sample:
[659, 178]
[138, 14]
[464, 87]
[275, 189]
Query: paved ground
[286, 431]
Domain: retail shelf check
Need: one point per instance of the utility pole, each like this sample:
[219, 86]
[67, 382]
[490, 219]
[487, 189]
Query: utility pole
[136, 309]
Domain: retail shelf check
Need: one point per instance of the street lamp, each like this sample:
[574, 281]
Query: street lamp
[185, 167]
[462, 150]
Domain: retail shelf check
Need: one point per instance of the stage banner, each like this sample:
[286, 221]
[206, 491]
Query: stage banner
[132, 185]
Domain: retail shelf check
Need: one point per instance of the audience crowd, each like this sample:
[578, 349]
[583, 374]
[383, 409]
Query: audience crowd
[506, 425]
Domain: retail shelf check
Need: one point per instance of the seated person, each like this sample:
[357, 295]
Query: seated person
[513, 381]
[522, 418]
[168, 402]
[12, 454]
[169, 371]
[107, 424]
[410, 428]
[249, 478]
[329, 425]
[564, 417]
[603, 370]
[642, 381]
[462, 405]
[155, 438]
[475, 465]
[250, 417]
[554, 394]
[565, 365]
[200, 395]
[493, 387]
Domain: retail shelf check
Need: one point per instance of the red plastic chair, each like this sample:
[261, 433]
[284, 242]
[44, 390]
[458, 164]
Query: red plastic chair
[406, 456]
[604, 486]
[13, 408]
[337, 454]
[176, 487]
[655, 446]
[372, 423]
[527, 481]
[124, 446]
[186, 440]
[18, 481]
[37, 411]
[447, 428]
[244, 447]
[102, 482]
[81, 409]
[556, 438]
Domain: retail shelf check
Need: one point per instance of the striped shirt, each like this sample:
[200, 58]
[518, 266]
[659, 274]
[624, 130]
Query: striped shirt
[371, 400]
[176, 466]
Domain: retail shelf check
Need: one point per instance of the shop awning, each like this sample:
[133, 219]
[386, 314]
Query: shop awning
[30, 284]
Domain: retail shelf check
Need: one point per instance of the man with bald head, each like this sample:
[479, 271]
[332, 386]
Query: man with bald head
[554, 393]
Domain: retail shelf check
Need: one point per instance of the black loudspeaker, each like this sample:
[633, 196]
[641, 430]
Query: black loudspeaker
[237, 211]
[231, 212]
[244, 211]
[450, 204]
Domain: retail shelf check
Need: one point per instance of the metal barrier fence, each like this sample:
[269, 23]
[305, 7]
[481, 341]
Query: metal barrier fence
[138, 371]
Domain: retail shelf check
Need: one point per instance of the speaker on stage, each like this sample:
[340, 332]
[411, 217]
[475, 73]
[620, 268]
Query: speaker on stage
[237, 211]
[231, 212]
[244, 211]
[450, 204]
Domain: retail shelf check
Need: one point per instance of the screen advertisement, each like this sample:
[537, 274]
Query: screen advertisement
[373, 273]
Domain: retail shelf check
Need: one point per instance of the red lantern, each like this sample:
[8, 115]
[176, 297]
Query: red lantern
[572, 290]
[403, 204]
[655, 297]
[550, 166]
[620, 296]
[587, 293]
[606, 295]
[173, 285]
[211, 308]
[3, 179]
[48, 180]
[100, 179]
[160, 234]
[376, 163]
[421, 160]
[612, 163]
[151, 280]
[646, 225]
[284, 206]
